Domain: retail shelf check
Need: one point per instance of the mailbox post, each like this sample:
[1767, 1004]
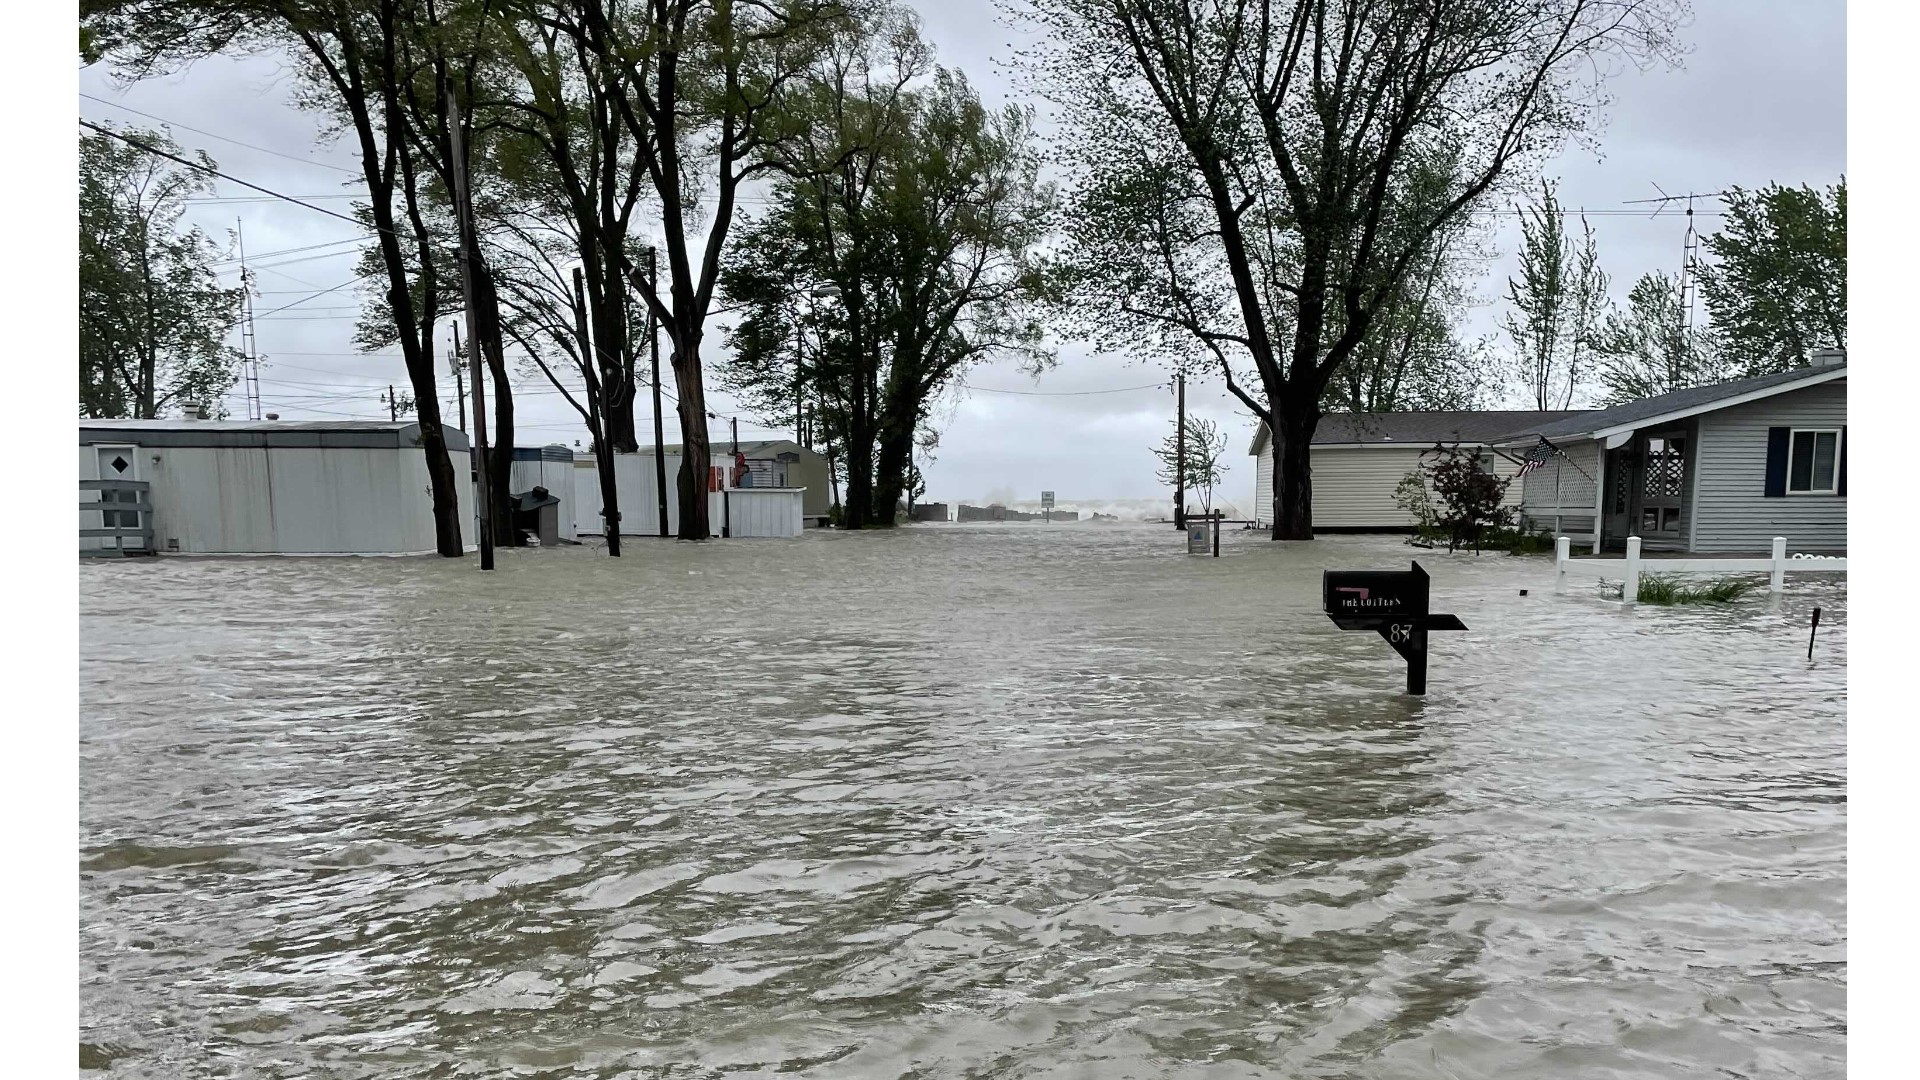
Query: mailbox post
[1392, 603]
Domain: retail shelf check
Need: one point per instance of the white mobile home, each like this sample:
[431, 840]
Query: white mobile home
[784, 490]
[1358, 459]
[1709, 469]
[270, 487]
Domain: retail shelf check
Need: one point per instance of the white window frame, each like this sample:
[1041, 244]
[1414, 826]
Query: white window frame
[1833, 488]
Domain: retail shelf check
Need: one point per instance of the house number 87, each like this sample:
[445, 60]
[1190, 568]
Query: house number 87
[1400, 632]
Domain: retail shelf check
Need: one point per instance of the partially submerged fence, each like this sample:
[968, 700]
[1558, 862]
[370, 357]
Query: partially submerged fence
[1777, 565]
[125, 515]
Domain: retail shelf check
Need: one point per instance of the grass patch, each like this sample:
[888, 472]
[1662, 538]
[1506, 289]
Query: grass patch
[1667, 589]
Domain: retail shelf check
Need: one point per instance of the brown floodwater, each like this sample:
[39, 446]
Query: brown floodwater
[956, 801]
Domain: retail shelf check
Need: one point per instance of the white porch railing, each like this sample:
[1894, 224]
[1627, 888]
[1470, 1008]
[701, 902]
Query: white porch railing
[1777, 565]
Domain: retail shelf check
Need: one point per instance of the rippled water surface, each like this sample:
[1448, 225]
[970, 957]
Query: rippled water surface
[959, 801]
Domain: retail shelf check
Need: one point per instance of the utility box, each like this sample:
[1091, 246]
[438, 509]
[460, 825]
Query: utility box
[537, 513]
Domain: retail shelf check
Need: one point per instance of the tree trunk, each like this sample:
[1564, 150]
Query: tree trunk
[857, 512]
[614, 356]
[696, 458]
[609, 492]
[896, 454]
[1293, 474]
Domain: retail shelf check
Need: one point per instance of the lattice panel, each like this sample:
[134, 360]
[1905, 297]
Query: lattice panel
[1666, 470]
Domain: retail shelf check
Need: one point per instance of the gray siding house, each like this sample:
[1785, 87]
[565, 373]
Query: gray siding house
[1710, 469]
[1359, 458]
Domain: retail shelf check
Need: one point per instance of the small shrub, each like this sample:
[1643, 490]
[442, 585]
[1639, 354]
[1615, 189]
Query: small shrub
[1659, 589]
[1665, 589]
[1718, 592]
[1517, 541]
[1467, 496]
[1411, 495]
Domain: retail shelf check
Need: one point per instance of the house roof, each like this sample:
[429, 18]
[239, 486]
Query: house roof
[261, 433]
[1664, 408]
[1417, 429]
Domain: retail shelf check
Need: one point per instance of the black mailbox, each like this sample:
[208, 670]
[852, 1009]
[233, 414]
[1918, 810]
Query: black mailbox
[1392, 603]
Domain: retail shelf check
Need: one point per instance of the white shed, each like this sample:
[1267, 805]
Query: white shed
[756, 511]
[275, 487]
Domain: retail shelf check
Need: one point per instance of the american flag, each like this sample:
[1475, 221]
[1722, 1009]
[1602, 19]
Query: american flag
[1541, 453]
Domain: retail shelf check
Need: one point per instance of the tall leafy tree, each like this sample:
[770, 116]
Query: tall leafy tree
[706, 97]
[1776, 285]
[1414, 357]
[1259, 177]
[1557, 303]
[923, 210]
[349, 56]
[572, 171]
[1649, 349]
[154, 318]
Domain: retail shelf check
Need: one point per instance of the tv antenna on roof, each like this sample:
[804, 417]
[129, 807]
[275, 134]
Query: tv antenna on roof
[1690, 247]
[249, 350]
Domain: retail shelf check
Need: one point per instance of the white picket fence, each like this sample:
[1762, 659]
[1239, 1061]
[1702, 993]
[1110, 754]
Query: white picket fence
[1777, 565]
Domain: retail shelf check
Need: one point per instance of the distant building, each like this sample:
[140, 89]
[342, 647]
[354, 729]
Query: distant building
[1359, 458]
[931, 512]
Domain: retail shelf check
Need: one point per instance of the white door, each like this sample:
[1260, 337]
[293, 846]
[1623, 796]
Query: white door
[118, 462]
[1663, 470]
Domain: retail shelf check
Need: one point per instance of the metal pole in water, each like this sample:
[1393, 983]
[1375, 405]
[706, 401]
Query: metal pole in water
[469, 258]
[1811, 631]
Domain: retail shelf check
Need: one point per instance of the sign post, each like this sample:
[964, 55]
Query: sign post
[1046, 506]
[1394, 604]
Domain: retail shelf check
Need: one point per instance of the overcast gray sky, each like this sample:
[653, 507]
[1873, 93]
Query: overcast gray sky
[1761, 98]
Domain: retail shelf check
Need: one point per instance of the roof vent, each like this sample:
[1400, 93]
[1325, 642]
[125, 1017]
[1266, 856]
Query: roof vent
[192, 410]
[273, 416]
[1829, 357]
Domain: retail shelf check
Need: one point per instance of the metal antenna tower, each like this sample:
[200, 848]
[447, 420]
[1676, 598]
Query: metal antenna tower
[1690, 247]
[250, 356]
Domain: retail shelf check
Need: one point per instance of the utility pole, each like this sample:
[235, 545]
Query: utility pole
[726, 490]
[659, 436]
[1180, 459]
[459, 381]
[799, 383]
[393, 405]
[596, 397]
[470, 251]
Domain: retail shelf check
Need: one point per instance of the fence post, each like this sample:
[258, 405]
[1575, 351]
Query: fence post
[1562, 548]
[1630, 589]
[1779, 564]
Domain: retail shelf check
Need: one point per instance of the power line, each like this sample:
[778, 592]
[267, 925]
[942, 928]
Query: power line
[205, 200]
[222, 138]
[298, 250]
[1065, 393]
[138, 144]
